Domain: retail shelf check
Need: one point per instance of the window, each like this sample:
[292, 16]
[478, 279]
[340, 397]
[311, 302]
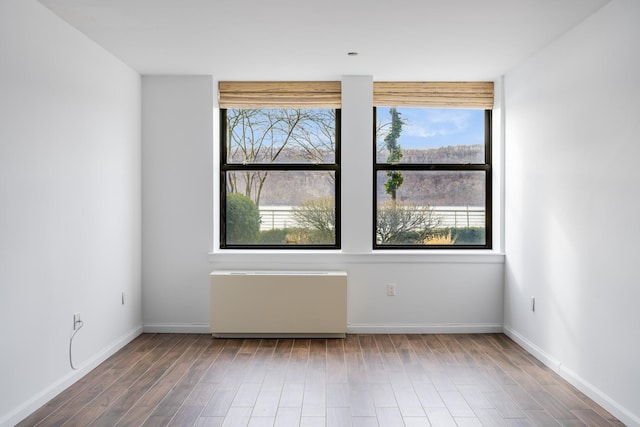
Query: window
[432, 168]
[280, 171]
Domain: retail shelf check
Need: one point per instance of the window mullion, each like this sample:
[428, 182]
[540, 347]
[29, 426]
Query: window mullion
[278, 167]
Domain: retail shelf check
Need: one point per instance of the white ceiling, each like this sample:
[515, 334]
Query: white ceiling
[426, 40]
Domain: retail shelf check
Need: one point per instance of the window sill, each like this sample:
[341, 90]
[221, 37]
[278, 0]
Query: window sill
[330, 257]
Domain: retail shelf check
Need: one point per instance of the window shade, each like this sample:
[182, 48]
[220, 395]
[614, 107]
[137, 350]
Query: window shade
[434, 94]
[279, 94]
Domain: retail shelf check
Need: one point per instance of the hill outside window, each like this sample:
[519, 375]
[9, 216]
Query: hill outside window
[280, 165]
[432, 165]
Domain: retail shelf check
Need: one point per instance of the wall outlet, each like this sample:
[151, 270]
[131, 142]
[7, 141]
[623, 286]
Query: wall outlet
[532, 303]
[76, 321]
[391, 289]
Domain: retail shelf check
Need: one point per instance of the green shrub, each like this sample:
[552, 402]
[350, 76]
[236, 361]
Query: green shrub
[323, 237]
[310, 236]
[469, 236]
[243, 219]
[275, 236]
[296, 236]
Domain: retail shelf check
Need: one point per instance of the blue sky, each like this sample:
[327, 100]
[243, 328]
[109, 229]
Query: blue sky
[431, 127]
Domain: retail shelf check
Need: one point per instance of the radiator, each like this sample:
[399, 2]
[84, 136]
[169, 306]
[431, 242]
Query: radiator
[278, 303]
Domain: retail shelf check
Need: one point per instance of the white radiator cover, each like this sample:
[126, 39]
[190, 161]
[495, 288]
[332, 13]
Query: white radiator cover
[278, 303]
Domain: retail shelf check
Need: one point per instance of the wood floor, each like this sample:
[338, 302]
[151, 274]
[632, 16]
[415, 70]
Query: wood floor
[363, 380]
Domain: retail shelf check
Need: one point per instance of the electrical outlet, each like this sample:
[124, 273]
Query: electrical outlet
[391, 289]
[76, 321]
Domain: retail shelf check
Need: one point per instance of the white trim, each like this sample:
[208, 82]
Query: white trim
[499, 150]
[48, 393]
[580, 383]
[453, 328]
[224, 257]
[536, 351]
[176, 328]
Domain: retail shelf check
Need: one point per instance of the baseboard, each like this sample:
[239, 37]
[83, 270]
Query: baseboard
[457, 328]
[578, 382]
[176, 328]
[57, 387]
[536, 351]
[454, 328]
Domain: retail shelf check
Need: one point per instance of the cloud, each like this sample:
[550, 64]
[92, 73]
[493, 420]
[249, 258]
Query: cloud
[429, 123]
[430, 127]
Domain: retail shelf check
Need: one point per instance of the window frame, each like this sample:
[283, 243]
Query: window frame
[334, 167]
[461, 167]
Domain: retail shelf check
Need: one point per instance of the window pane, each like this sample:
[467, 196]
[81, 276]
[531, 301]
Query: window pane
[281, 136]
[430, 135]
[280, 207]
[430, 208]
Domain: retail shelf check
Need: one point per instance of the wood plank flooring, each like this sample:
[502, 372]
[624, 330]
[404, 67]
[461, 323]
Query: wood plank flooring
[362, 380]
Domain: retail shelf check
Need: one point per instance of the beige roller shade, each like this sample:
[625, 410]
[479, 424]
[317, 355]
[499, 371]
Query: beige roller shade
[434, 94]
[279, 94]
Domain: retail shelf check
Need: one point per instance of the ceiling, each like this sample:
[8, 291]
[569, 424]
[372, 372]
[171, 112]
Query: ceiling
[427, 40]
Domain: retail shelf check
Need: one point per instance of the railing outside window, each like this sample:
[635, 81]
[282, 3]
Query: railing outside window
[281, 217]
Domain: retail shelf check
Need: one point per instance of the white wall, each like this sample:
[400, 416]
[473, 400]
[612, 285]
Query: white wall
[572, 230]
[69, 205]
[177, 200]
[436, 292]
